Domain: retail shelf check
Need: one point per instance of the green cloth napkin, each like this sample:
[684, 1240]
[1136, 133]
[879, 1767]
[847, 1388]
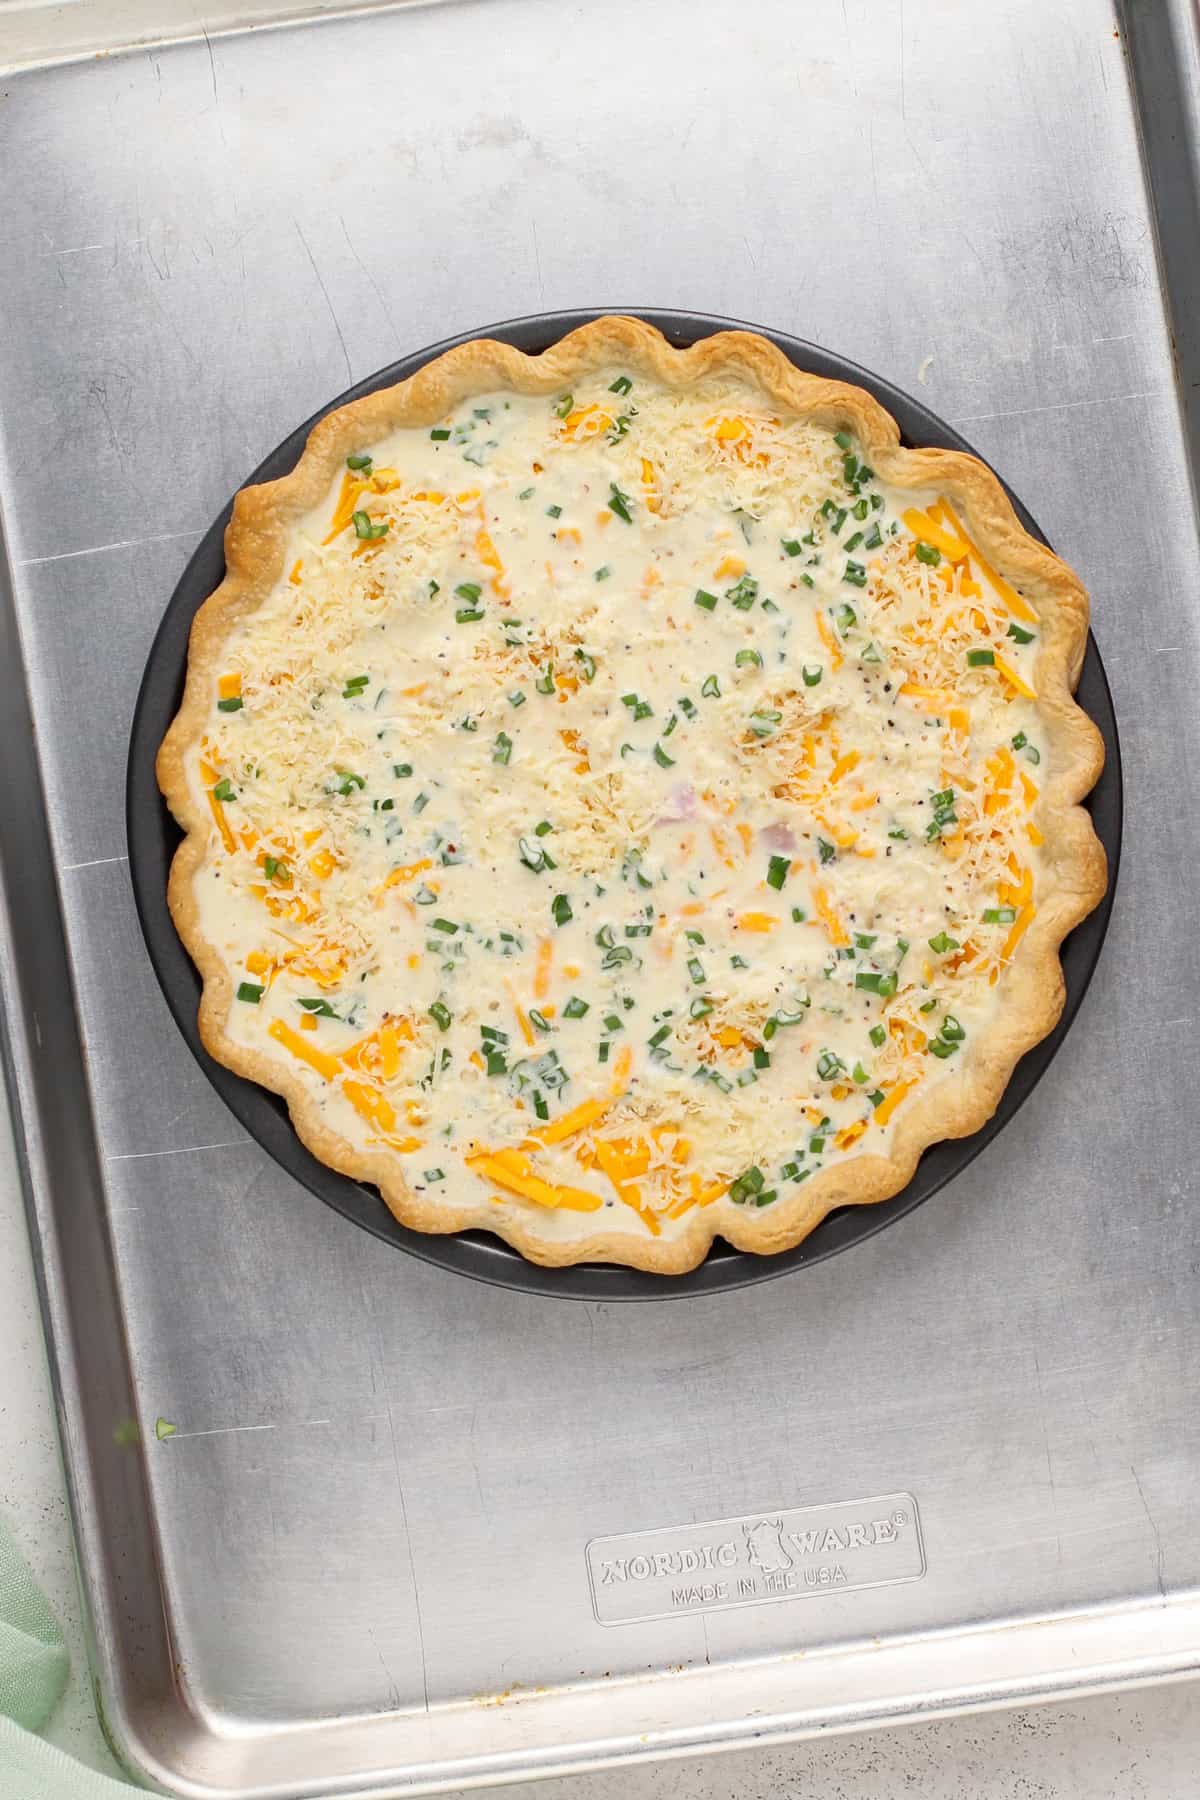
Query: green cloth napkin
[33, 1674]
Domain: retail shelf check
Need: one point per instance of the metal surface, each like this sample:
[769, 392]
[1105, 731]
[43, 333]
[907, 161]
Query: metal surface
[359, 1565]
[152, 837]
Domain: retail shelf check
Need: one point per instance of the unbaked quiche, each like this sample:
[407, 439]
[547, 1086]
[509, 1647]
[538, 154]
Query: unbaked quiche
[628, 797]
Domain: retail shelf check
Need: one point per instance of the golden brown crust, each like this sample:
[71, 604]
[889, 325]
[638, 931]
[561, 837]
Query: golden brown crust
[1075, 872]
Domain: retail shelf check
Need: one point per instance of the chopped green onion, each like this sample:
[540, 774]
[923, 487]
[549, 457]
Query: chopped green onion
[545, 683]
[250, 992]
[829, 1065]
[619, 504]
[855, 574]
[467, 615]
[516, 698]
[440, 1014]
[746, 1186]
[662, 759]
[696, 970]
[275, 869]
[602, 573]
[981, 659]
[927, 553]
[939, 1047]
[942, 944]
[792, 546]
[401, 770]
[531, 854]
[878, 1036]
[362, 462]
[799, 915]
[316, 1005]
[554, 512]
[365, 529]
[777, 871]
[439, 434]
[575, 1008]
[350, 781]
[873, 538]
[503, 748]
[845, 618]
[710, 688]
[826, 850]
[871, 982]
[446, 925]
[744, 594]
[622, 385]
[233, 704]
[951, 1030]
[224, 791]
[539, 1019]
[748, 659]
[543, 828]
[468, 590]
[859, 1073]
[853, 542]
[1000, 915]
[812, 673]
[707, 601]
[587, 665]
[1020, 635]
[560, 907]
[843, 440]
[564, 406]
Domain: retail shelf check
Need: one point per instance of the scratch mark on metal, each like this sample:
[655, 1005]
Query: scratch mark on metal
[325, 291]
[212, 67]
[187, 1150]
[232, 1430]
[162, 537]
[97, 862]
[537, 257]
[1020, 412]
[375, 287]
[1158, 1545]
[412, 1563]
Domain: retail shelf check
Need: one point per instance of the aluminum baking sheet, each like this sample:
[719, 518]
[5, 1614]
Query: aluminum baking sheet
[345, 1519]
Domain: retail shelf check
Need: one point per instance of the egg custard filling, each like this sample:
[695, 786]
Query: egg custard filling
[622, 807]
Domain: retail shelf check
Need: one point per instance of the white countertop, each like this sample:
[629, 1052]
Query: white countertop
[1143, 1745]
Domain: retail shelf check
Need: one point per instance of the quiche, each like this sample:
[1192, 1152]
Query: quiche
[630, 798]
